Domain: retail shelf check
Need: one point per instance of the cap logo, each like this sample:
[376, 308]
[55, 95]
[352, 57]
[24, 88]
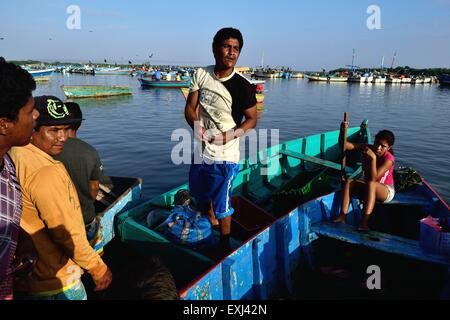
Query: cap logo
[56, 110]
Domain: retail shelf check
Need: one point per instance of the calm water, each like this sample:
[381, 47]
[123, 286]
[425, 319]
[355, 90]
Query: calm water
[133, 134]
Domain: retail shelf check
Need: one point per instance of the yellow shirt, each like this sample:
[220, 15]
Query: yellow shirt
[52, 217]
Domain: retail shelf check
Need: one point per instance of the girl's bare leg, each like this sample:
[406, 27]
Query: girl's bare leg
[375, 192]
[351, 187]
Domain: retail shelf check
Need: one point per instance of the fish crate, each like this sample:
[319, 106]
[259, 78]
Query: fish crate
[432, 239]
[248, 219]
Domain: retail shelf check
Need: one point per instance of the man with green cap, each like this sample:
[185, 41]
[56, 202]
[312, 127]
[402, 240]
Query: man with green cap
[51, 213]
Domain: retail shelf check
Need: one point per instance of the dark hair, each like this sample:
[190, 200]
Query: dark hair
[227, 33]
[16, 85]
[75, 112]
[388, 136]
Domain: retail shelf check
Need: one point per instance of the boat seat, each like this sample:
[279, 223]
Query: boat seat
[410, 198]
[378, 241]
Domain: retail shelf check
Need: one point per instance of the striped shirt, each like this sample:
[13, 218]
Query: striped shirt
[10, 214]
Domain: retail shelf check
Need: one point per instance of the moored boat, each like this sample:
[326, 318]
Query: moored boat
[265, 234]
[297, 75]
[95, 91]
[122, 194]
[329, 78]
[406, 80]
[117, 71]
[42, 75]
[149, 82]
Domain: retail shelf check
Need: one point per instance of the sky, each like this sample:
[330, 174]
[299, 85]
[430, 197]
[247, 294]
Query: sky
[302, 35]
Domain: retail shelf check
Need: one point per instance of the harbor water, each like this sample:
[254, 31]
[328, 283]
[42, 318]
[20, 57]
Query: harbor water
[133, 133]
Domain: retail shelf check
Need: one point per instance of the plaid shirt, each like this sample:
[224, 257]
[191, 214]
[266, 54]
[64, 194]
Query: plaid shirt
[10, 213]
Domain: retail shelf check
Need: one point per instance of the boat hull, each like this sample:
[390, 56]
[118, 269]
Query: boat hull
[327, 79]
[164, 83]
[266, 241]
[42, 75]
[110, 202]
[264, 264]
[79, 92]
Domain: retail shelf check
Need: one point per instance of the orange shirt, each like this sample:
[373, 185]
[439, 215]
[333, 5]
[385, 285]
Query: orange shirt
[52, 217]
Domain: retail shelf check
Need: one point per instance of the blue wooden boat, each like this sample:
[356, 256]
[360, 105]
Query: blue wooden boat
[149, 82]
[41, 75]
[122, 194]
[266, 224]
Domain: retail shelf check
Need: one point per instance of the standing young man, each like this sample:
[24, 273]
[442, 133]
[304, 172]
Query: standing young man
[17, 121]
[218, 100]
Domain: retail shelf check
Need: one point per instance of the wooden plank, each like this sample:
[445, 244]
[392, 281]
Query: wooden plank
[410, 198]
[378, 241]
[322, 162]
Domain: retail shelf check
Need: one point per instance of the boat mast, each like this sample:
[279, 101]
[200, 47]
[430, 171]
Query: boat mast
[393, 59]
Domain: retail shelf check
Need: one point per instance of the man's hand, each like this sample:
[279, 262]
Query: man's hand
[223, 138]
[104, 281]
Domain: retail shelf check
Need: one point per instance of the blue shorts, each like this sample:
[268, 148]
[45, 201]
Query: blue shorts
[213, 183]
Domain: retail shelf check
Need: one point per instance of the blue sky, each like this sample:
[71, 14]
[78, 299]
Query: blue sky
[304, 35]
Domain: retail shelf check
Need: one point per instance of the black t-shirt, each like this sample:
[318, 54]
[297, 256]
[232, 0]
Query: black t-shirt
[243, 94]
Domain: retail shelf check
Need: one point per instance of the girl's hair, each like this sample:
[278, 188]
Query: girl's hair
[388, 136]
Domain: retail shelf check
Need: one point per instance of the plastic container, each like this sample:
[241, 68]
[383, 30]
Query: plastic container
[432, 239]
[248, 219]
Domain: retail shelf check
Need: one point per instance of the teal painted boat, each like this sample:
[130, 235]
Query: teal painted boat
[265, 231]
[94, 91]
[149, 82]
[122, 194]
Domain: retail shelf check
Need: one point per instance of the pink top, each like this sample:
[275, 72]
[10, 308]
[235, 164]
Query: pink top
[388, 177]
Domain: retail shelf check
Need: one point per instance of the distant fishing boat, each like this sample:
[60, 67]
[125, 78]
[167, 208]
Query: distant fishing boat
[379, 79]
[329, 78]
[393, 79]
[298, 75]
[406, 80]
[149, 82]
[94, 91]
[117, 71]
[427, 80]
[41, 75]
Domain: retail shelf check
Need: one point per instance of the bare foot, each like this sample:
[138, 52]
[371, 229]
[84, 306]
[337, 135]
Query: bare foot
[341, 218]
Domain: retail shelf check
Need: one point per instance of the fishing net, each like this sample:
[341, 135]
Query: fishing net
[406, 178]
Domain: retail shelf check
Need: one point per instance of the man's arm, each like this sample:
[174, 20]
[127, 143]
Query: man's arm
[59, 208]
[191, 109]
[251, 118]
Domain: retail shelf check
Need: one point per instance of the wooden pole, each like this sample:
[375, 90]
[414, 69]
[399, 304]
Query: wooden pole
[344, 140]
